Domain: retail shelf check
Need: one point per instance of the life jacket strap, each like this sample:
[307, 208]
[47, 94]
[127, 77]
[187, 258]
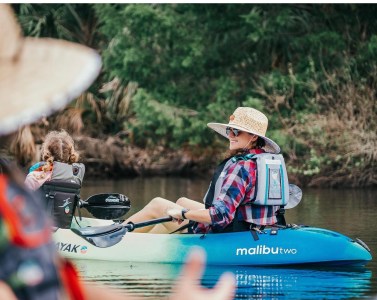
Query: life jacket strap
[255, 230]
[280, 216]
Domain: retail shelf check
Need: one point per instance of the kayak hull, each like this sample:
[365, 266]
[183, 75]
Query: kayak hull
[291, 246]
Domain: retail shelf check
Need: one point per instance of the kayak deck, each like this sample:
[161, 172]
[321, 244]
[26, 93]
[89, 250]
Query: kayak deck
[288, 246]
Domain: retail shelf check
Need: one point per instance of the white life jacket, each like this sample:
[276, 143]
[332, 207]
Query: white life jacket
[272, 180]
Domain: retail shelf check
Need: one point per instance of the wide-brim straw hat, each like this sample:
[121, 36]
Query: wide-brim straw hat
[39, 75]
[249, 120]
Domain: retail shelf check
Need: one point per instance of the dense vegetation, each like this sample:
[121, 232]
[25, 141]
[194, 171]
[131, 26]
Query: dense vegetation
[171, 68]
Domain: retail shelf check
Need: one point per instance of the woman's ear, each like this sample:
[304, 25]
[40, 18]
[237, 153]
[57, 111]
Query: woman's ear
[253, 137]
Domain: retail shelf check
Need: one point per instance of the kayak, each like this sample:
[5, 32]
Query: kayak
[298, 245]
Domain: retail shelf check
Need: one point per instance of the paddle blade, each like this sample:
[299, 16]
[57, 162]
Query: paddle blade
[102, 237]
[107, 206]
[111, 212]
[108, 199]
[295, 196]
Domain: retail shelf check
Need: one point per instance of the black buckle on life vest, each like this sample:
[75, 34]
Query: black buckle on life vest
[255, 230]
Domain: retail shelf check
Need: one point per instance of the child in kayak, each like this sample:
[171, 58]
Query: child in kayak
[57, 151]
[229, 202]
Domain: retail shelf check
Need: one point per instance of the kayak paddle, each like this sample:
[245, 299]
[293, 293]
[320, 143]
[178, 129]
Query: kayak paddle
[107, 236]
[108, 206]
[295, 196]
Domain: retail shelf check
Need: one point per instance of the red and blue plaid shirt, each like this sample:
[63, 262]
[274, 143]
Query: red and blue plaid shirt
[238, 187]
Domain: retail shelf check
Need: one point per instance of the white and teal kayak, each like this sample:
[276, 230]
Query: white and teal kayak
[285, 246]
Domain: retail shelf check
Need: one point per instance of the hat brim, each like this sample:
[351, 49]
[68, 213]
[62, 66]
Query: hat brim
[45, 76]
[270, 147]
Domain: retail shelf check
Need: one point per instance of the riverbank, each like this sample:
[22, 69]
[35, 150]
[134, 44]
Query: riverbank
[113, 158]
[110, 157]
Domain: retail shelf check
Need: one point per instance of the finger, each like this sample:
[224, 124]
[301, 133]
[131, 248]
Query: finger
[225, 288]
[6, 292]
[194, 267]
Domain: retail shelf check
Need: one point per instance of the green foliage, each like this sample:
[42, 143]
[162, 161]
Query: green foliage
[162, 124]
[310, 67]
[73, 22]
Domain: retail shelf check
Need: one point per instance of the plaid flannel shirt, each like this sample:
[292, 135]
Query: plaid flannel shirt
[238, 187]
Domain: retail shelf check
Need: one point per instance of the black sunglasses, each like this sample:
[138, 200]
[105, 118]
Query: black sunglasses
[235, 131]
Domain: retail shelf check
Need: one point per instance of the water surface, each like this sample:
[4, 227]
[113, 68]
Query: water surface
[348, 211]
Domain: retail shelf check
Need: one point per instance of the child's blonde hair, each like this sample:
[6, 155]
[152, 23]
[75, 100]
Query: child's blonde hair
[58, 146]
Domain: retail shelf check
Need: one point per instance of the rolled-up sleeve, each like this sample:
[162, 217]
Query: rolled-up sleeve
[235, 185]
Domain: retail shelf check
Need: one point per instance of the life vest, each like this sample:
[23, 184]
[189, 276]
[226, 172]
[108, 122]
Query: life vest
[272, 179]
[271, 185]
[28, 255]
[73, 173]
[62, 192]
[216, 183]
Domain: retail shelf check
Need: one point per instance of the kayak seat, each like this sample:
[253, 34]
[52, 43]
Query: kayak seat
[61, 199]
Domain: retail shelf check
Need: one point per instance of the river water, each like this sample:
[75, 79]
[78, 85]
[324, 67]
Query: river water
[348, 211]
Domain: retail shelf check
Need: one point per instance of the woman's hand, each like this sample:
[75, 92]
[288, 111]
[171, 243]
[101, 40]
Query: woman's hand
[176, 214]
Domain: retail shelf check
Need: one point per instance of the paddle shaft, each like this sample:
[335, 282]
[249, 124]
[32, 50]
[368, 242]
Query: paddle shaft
[107, 236]
[131, 226]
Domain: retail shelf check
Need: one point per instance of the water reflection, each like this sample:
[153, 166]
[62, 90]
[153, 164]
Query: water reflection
[155, 280]
[268, 283]
[149, 280]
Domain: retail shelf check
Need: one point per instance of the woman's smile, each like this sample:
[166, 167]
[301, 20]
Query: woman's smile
[238, 142]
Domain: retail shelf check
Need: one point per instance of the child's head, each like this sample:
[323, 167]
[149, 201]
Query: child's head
[59, 146]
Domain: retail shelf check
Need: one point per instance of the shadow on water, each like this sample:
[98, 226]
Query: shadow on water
[155, 280]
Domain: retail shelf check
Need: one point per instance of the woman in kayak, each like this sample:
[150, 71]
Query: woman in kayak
[233, 183]
[57, 147]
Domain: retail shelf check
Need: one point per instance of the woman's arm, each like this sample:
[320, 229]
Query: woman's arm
[234, 188]
[197, 215]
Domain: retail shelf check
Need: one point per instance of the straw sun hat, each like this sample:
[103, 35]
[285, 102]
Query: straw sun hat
[250, 120]
[38, 76]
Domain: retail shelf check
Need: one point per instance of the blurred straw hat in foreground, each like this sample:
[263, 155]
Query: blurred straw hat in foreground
[39, 75]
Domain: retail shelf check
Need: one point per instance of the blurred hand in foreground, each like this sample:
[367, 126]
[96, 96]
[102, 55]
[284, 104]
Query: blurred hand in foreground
[188, 286]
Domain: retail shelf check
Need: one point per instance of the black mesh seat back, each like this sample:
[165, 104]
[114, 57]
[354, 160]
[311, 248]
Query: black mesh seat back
[62, 192]
[61, 201]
